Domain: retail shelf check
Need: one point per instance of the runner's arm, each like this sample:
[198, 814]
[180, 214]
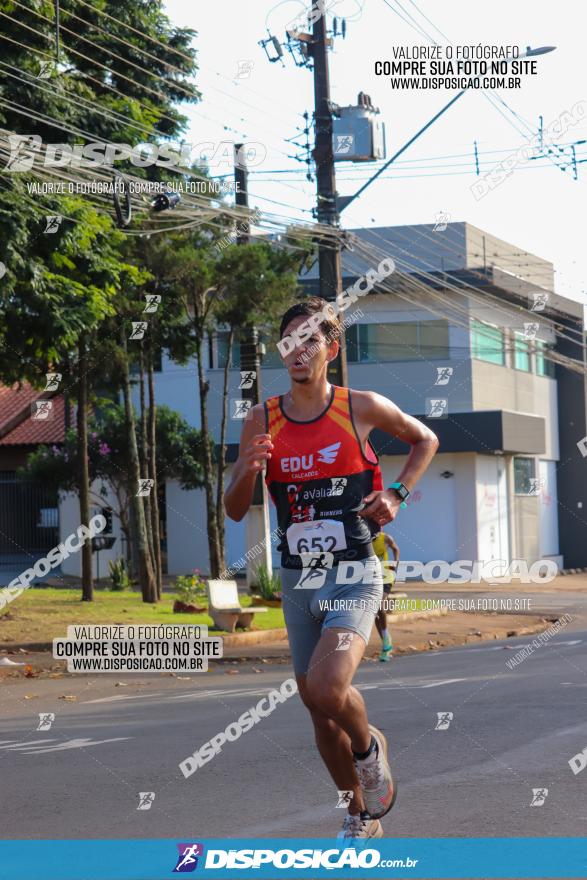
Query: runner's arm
[392, 546]
[254, 451]
[372, 410]
[375, 411]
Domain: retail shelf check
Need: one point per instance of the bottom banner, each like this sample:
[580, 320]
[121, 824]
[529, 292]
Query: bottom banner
[430, 858]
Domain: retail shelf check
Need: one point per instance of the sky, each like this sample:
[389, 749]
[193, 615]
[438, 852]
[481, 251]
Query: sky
[539, 207]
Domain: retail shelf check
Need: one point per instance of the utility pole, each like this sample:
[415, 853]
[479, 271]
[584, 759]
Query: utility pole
[326, 210]
[257, 522]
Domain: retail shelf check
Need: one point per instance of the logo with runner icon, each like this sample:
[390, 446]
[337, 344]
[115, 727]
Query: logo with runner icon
[187, 860]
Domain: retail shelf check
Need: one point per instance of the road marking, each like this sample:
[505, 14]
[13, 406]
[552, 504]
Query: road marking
[227, 692]
[32, 748]
[117, 697]
[231, 692]
[12, 743]
[442, 653]
[430, 684]
[385, 686]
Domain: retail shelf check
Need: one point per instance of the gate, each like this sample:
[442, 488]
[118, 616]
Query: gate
[29, 521]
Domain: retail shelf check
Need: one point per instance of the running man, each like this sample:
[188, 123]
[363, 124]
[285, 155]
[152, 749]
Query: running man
[381, 542]
[313, 442]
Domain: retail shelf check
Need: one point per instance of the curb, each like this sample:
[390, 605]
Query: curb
[258, 637]
[406, 616]
[237, 640]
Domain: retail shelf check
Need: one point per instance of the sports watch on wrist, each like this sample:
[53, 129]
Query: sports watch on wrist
[401, 491]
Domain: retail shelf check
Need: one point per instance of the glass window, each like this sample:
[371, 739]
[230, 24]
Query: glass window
[521, 352]
[544, 367]
[402, 341]
[271, 360]
[434, 340]
[524, 474]
[388, 342]
[487, 343]
[222, 350]
[158, 359]
[135, 368]
[352, 343]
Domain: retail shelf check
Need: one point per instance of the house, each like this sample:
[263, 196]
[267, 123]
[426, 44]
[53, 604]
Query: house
[29, 516]
[33, 517]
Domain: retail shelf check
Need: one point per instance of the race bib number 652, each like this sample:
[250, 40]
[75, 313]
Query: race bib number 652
[325, 535]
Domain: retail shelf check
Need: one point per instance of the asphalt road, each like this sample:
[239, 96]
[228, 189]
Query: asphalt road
[512, 731]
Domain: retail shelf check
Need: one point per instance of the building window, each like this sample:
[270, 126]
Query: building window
[521, 352]
[544, 367]
[221, 353]
[402, 341]
[271, 360]
[524, 475]
[222, 350]
[135, 367]
[487, 343]
[158, 359]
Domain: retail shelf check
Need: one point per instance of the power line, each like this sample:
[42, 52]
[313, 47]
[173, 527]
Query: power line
[150, 74]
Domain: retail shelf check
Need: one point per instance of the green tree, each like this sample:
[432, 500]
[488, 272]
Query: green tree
[256, 283]
[123, 70]
[52, 304]
[238, 286]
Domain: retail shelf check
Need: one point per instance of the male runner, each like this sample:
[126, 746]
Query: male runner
[313, 442]
[381, 542]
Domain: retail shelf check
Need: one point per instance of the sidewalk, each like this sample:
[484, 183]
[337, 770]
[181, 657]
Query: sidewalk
[421, 631]
[425, 632]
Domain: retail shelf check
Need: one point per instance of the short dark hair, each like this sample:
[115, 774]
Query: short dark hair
[330, 326]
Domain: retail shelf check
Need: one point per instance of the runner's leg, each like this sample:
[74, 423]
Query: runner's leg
[381, 622]
[329, 687]
[334, 746]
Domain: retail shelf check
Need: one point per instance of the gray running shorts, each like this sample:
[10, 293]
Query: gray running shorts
[335, 603]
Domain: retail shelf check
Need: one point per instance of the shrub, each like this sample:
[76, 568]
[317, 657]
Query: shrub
[269, 585]
[119, 578]
[190, 588]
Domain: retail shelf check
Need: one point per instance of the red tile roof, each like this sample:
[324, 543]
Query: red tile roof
[17, 428]
[14, 400]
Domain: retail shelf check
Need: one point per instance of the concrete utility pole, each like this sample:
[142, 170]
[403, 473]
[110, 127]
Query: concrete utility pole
[326, 209]
[257, 520]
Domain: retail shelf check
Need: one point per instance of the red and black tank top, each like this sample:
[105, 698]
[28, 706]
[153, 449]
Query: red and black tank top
[317, 476]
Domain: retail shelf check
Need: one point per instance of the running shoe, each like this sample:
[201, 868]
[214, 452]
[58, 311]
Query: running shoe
[386, 653]
[377, 785]
[360, 825]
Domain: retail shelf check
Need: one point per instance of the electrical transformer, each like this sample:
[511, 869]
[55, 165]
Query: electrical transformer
[358, 135]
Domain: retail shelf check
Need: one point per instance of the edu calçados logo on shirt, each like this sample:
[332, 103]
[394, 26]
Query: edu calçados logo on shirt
[187, 860]
[301, 463]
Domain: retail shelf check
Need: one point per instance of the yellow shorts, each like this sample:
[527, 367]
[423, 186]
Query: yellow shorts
[388, 576]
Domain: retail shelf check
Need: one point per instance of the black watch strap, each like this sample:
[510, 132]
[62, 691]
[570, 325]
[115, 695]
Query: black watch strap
[400, 490]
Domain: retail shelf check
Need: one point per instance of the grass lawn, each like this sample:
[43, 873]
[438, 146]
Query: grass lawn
[42, 614]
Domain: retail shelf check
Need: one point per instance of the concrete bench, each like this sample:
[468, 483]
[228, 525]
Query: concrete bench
[225, 609]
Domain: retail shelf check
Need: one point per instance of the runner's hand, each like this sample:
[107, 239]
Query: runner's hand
[257, 453]
[381, 506]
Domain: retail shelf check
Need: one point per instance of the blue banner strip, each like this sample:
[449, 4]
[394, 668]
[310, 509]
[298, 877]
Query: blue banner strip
[431, 858]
